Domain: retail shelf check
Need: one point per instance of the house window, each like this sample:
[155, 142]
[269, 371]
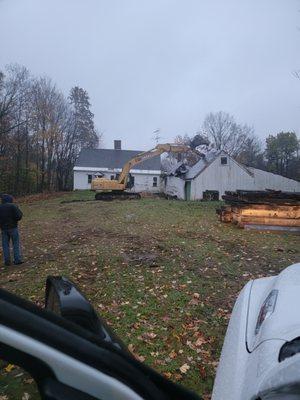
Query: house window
[90, 177]
[154, 181]
[223, 160]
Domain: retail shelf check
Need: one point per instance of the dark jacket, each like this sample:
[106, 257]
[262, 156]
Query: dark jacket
[10, 214]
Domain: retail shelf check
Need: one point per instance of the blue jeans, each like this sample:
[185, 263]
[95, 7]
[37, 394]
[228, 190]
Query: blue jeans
[9, 235]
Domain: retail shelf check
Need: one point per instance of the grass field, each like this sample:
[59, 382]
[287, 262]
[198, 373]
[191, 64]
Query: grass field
[164, 274]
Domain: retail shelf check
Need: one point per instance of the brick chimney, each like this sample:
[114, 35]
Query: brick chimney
[117, 144]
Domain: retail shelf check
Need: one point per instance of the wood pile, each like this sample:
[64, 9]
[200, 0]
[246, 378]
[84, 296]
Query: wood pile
[265, 210]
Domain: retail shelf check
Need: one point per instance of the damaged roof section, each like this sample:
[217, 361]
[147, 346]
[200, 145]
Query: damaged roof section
[203, 163]
[183, 170]
[178, 169]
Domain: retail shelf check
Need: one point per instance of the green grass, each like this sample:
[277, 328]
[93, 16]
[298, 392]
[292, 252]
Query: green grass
[16, 384]
[168, 268]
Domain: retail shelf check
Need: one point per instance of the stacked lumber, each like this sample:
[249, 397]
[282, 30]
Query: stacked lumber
[266, 209]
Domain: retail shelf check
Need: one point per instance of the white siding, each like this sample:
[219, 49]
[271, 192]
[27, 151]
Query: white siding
[221, 178]
[175, 187]
[266, 180]
[142, 182]
[81, 180]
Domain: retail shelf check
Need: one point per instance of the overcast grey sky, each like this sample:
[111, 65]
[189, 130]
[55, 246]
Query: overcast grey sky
[163, 63]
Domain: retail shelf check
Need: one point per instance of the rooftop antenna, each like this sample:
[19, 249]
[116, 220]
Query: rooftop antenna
[156, 136]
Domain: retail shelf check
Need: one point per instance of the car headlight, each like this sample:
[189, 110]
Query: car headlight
[267, 309]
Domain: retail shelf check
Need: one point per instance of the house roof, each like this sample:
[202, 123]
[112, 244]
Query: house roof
[179, 168]
[204, 162]
[254, 171]
[109, 158]
[197, 168]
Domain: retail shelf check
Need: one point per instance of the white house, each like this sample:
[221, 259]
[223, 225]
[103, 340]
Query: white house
[217, 173]
[109, 163]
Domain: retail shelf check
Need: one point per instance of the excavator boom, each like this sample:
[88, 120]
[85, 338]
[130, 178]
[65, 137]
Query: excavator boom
[158, 150]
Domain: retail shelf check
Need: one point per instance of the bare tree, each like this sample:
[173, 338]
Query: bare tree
[41, 132]
[13, 91]
[14, 94]
[252, 154]
[225, 134]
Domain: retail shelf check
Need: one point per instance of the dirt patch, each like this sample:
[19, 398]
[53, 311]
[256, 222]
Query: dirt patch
[142, 251]
[88, 234]
[141, 258]
[40, 196]
[76, 201]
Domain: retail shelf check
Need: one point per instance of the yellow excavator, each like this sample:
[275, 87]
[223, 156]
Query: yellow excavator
[107, 189]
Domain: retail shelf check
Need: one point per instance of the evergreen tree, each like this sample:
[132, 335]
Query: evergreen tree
[84, 118]
[281, 153]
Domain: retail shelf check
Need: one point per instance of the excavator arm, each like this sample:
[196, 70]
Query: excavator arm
[159, 149]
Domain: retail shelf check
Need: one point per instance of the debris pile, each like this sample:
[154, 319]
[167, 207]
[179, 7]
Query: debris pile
[263, 210]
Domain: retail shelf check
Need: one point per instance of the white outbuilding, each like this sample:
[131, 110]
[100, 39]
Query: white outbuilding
[216, 173]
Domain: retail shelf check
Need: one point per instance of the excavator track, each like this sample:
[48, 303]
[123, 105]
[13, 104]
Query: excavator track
[116, 195]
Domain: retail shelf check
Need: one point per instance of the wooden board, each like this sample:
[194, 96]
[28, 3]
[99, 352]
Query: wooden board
[275, 228]
[270, 207]
[269, 221]
[276, 212]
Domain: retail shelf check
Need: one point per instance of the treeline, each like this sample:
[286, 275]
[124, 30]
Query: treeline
[279, 154]
[41, 132]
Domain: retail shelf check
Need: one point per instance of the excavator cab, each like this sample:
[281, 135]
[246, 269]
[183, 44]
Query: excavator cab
[130, 182]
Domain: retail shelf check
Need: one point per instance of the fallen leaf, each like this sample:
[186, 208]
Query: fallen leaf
[140, 358]
[194, 302]
[200, 341]
[177, 377]
[131, 348]
[173, 354]
[184, 368]
[202, 372]
[149, 335]
[29, 381]
[9, 368]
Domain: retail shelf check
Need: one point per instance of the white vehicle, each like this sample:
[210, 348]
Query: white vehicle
[260, 358]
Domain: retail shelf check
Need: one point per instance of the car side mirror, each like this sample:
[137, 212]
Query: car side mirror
[65, 299]
[65, 354]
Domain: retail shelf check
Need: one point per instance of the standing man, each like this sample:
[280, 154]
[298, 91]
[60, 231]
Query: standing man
[10, 214]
